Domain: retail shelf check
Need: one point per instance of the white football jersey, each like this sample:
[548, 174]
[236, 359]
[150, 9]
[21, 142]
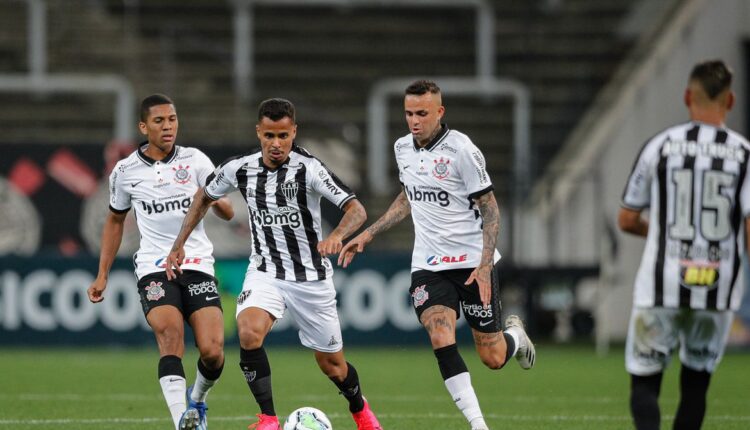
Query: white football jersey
[284, 209]
[161, 193]
[441, 181]
[693, 178]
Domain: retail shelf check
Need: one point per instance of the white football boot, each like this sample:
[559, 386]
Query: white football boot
[526, 354]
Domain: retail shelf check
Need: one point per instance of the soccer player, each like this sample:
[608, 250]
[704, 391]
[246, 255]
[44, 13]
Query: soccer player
[159, 181]
[289, 266]
[447, 190]
[693, 179]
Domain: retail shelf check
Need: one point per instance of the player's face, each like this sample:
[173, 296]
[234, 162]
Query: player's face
[161, 126]
[423, 115]
[276, 138]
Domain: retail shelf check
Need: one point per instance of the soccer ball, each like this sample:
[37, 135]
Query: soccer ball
[307, 419]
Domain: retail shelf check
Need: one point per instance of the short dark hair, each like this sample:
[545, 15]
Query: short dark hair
[276, 109]
[713, 75]
[421, 87]
[153, 100]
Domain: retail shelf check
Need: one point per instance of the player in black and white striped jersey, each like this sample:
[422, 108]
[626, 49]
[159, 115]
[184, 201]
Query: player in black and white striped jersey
[693, 179]
[289, 266]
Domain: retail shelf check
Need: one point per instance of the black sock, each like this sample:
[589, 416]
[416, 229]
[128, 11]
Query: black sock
[170, 365]
[210, 374]
[257, 370]
[510, 344]
[450, 361]
[693, 389]
[349, 387]
[644, 401]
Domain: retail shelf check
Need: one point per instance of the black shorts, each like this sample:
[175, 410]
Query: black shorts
[447, 288]
[189, 292]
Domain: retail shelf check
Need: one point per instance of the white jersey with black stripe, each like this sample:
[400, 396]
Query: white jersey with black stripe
[284, 209]
[693, 179]
[441, 181]
[161, 191]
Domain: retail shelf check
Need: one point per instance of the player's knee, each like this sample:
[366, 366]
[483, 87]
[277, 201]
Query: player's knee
[250, 337]
[442, 338]
[212, 355]
[332, 368]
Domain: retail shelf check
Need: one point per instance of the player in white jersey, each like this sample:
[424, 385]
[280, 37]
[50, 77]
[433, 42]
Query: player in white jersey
[289, 266]
[693, 179]
[159, 181]
[448, 192]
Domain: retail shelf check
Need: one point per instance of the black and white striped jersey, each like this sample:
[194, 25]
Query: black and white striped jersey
[693, 178]
[284, 209]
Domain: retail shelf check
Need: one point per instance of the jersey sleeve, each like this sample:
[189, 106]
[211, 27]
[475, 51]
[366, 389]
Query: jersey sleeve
[328, 185]
[223, 180]
[745, 190]
[473, 170]
[637, 193]
[204, 169]
[119, 198]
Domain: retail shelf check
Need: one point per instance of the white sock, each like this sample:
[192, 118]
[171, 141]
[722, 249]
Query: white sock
[463, 395]
[173, 387]
[513, 332]
[201, 387]
[478, 424]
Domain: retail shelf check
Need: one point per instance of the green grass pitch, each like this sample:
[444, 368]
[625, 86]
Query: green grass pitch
[570, 388]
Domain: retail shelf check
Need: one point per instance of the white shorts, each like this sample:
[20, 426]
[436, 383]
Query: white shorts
[654, 333]
[312, 303]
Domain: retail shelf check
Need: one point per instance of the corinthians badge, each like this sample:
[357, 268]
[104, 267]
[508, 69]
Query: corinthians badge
[441, 168]
[181, 174]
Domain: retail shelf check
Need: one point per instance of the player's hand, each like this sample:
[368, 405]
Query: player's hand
[174, 259]
[96, 290]
[330, 245]
[355, 246]
[482, 277]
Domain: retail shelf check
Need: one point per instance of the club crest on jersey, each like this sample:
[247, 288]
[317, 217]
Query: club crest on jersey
[154, 291]
[420, 296]
[440, 171]
[181, 174]
[289, 189]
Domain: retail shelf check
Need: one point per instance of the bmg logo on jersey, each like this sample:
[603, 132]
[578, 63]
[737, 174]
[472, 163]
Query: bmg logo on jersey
[288, 216]
[439, 197]
[167, 206]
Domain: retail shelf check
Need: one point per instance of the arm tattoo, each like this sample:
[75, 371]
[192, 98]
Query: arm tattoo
[399, 209]
[354, 217]
[490, 226]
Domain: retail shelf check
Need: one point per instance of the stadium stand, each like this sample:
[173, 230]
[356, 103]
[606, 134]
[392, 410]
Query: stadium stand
[324, 58]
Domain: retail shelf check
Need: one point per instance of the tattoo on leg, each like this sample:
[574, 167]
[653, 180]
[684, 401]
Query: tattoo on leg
[487, 340]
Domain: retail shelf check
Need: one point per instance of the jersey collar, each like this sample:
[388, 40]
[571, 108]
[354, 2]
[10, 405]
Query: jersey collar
[441, 134]
[150, 161]
[284, 164]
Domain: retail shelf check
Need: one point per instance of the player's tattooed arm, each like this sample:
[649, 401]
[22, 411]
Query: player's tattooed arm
[198, 209]
[399, 209]
[354, 216]
[487, 206]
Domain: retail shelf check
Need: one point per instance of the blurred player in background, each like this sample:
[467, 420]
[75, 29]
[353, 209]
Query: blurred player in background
[693, 179]
[159, 181]
[288, 267]
[447, 190]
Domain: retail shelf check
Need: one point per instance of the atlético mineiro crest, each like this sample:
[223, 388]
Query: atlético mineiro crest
[419, 296]
[440, 170]
[154, 291]
[181, 174]
[289, 189]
